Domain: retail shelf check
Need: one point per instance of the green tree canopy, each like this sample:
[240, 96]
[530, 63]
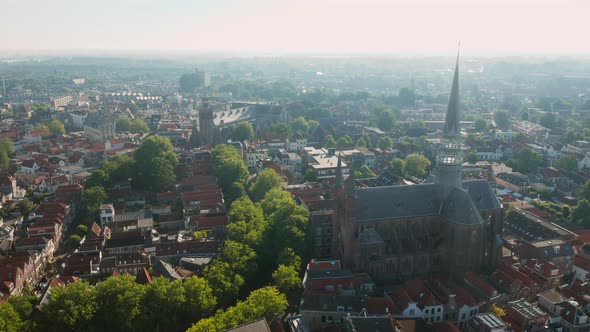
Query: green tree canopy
[25, 207]
[286, 278]
[329, 142]
[263, 302]
[139, 126]
[567, 162]
[300, 124]
[119, 303]
[155, 165]
[526, 161]
[266, 180]
[416, 165]
[56, 127]
[10, 320]
[90, 203]
[385, 143]
[70, 308]
[229, 166]
[386, 120]
[123, 124]
[480, 124]
[471, 158]
[41, 127]
[501, 119]
[243, 131]
[162, 305]
[344, 141]
[6, 150]
[364, 172]
[199, 299]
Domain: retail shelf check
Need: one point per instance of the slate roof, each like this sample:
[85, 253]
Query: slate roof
[394, 202]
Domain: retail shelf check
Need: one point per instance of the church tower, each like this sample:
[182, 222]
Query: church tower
[449, 159]
[206, 123]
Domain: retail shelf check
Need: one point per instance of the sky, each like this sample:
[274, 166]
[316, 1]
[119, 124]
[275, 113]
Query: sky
[297, 26]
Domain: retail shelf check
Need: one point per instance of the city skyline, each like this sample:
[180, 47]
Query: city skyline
[259, 26]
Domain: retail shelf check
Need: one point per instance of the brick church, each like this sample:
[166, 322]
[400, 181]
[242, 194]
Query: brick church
[443, 227]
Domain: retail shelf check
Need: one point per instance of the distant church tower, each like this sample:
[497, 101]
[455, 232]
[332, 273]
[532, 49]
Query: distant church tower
[206, 126]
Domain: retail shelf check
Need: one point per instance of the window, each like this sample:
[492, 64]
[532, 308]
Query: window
[329, 287]
[412, 312]
[339, 308]
[323, 319]
[438, 310]
[426, 311]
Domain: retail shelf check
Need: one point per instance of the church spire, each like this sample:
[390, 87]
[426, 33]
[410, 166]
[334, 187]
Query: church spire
[351, 183]
[451, 129]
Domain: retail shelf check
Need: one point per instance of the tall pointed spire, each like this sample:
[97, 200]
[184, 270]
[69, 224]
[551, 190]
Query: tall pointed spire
[350, 183]
[453, 115]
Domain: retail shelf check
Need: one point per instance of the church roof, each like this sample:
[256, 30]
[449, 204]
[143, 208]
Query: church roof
[405, 201]
[458, 207]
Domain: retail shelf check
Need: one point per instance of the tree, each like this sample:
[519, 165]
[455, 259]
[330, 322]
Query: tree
[480, 124]
[501, 119]
[584, 191]
[386, 121]
[81, 230]
[56, 127]
[397, 166]
[155, 165]
[70, 308]
[90, 203]
[286, 278]
[139, 126]
[6, 150]
[10, 320]
[224, 281]
[526, 160]
[23, 305]
[235, 191]
[25, 207]
[313, 124]
[567, 162]
[364, 141]
[123, 124]
[246, 222]
[229, 167]
[281, 129]
[263, 302]
[299, 124]
[41, 127]
[385, 143]
[200, 301]
[329, 142]
[548, 120]
[242, 132]
[309, 175]
[74, 241]
[471, 158]
[364, 172]
[119, 303]
[162, 304]
[581, 213]
[133, 108]
[344, 141]
[416, 165]
[266, 180]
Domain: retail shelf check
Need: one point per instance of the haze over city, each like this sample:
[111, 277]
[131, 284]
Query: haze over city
[307, 26]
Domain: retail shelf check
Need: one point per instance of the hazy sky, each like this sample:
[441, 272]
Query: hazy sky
[333, 26]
